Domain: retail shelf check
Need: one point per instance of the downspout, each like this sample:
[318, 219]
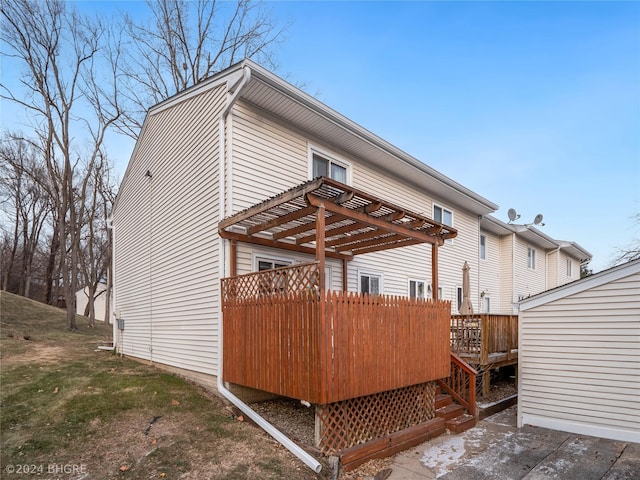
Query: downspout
[112, 307]
[266, 426]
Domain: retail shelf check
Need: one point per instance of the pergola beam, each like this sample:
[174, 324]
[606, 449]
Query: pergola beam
[370, 220]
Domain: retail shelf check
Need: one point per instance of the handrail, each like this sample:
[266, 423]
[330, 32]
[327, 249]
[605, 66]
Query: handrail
[461, 384]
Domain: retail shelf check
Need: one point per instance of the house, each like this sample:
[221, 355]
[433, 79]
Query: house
[517, 261]
[243, 188]
[579, 348]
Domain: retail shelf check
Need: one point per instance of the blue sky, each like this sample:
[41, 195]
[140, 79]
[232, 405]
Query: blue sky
[534, 105]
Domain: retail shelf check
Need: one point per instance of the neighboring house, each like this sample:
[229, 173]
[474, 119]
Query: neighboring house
[244, 136]
[82, 299]
[518, 261]
[579, 347]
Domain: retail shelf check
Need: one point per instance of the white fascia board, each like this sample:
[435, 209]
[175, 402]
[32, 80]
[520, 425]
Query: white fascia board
[578, 286]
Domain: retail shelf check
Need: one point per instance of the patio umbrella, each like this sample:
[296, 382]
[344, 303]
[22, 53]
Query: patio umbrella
[466, 308]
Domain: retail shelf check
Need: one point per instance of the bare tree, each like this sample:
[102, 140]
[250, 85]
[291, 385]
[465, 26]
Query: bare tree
[61, 52]
[631, 251]
[185, 43]
[26, 202]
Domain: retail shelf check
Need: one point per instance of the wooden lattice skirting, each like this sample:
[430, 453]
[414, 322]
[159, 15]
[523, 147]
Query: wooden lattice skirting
[360, 420]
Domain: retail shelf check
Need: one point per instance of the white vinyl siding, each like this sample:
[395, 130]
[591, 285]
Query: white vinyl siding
[263, 147]
[166, 270]
[490, 273]
[580, 360]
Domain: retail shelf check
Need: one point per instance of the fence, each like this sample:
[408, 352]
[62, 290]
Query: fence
[276, 338]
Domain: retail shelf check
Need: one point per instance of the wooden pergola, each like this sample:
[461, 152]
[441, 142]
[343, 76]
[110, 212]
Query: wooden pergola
[326, 218]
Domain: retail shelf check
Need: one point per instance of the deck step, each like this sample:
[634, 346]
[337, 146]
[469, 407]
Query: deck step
[442, 400]
[450, 411]
[461, 423]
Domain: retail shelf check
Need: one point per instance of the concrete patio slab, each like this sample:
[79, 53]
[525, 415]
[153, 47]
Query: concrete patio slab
[496, 450]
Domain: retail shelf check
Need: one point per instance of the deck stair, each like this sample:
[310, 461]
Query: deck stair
[456, 419]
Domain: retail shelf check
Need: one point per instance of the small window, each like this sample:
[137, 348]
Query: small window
[266, 264]
[370, 283]
[324, 167]
[569, 268]
[439, 293]
[483, 247]
[444, 216]
[531, 258]
[417, 289]
[459, 297]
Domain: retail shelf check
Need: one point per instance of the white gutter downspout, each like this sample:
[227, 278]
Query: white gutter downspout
[266, 426]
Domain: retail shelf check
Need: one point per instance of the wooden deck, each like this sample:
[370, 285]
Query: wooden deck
[485, 341]
[284, 336]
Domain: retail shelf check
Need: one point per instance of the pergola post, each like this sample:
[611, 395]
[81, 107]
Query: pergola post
[233, 258]
[434, 270]
[344, 274]
[322, 321]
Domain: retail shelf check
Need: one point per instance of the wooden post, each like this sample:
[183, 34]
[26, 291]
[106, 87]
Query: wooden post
[344, 274]
[233, 256]
[323, 361]
[434, 270]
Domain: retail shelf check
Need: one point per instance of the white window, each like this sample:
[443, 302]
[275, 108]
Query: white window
[531, 258]
[417, 288]
[370, 283]
[483, 247]
[263, 264]
[569, 268]
[459, 297]
[444, 216]
[486, 304]
[439, 293]
[324, 166]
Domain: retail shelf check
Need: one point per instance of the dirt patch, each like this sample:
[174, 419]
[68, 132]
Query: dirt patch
[36, 352]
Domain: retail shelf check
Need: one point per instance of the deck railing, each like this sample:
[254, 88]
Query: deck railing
[481, 336]
[461, 384]
[324, 347]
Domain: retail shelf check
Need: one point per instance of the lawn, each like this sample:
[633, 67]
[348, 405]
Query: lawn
[69, 411]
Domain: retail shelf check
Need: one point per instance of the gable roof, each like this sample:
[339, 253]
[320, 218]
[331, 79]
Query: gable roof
[578, 286]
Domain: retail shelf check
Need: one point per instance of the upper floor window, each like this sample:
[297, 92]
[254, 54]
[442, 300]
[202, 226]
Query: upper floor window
[569, 268]
[483, 247]
[531, 258]
[417, 288]
[486, 304]
[326, 167]
[370, 283]
[444, 216]
[459, 297]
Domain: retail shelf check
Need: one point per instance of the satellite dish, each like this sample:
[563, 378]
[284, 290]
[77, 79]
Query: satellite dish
[538, 219]
[512, 214]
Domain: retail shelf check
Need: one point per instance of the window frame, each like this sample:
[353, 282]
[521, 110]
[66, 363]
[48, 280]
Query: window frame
[371, 273]
[258, 257]
[569, 268]
[444, 209]
[482, 245]
[531, 257]
[332, 158]
[417, 281]
[459, 297]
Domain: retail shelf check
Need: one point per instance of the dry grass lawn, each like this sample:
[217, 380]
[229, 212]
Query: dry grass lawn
[68, 411]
